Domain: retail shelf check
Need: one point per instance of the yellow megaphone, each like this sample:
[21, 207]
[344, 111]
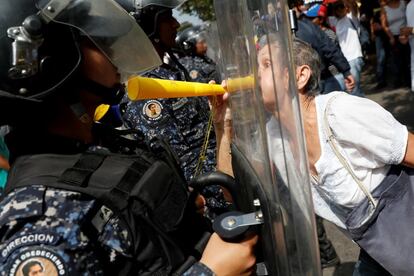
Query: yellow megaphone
[140, 88]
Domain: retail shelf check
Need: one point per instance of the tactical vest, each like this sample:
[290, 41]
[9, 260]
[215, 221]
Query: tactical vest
[99, 213]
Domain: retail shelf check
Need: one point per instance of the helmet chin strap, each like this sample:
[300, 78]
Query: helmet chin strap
[179, 65]
[109, 95]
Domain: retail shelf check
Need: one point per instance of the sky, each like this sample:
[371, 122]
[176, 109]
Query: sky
[181, 17]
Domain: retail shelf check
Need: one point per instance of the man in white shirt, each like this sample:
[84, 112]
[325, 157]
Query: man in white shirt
[347, 33]
[408, 31]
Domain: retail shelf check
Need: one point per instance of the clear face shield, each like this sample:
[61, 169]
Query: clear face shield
[109, 27]
[200, 42]
[211, 36]
[268, 132]
[171, 4]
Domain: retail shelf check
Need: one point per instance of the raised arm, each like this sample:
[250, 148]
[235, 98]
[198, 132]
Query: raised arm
[385, 27]
[222, 120]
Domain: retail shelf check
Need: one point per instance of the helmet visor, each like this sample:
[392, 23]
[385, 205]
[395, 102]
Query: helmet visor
[198, 37]
[172, 4]
[111, 29]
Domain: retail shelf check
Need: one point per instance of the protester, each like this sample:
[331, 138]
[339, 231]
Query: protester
[381, 44]
[369, 139]
[318, 14]
[392, 20]
[82, 52]
[328, 51]
[348, 36]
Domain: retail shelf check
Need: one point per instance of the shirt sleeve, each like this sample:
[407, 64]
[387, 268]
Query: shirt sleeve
[409, 14]
[362, 124]
[198, 269]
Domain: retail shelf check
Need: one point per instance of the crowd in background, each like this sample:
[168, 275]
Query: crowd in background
[383, 28]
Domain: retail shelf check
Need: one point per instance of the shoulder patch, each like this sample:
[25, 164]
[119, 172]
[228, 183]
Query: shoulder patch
[152, 110]
[193, 74]
[37, 261]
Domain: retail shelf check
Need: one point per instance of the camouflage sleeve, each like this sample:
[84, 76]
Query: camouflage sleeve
[199, 269]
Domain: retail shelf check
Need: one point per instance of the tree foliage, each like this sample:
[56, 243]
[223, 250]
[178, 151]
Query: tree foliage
[202, 8]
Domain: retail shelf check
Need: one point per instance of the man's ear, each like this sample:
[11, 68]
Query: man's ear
[303, 74]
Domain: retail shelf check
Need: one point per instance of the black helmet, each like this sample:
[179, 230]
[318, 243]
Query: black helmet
[188, 38]
[39, 42]
[146, 12]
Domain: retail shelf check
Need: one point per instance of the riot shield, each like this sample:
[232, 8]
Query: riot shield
[268, 151]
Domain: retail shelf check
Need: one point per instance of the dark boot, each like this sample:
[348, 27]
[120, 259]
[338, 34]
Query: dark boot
[327, 251]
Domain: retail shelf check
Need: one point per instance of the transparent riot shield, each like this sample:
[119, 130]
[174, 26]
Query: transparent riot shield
[268, 152]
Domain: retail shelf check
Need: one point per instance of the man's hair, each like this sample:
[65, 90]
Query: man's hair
[294, 3]
[275, 40]
[151, 105]
[26, 268]
[304, 54]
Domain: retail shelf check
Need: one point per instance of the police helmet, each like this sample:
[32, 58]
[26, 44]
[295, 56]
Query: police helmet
[188, 38]
[146, 12]
[40, 54]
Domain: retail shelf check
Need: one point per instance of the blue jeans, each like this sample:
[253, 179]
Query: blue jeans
[356, 68]
[329, 84]
[380, 52]
[367, 266]
[400, 63]
[341, 80]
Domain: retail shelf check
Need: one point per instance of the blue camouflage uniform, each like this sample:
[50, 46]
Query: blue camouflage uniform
[56, 238]
[198, 269]
[200, 68]
[183, 123]
[52, 226]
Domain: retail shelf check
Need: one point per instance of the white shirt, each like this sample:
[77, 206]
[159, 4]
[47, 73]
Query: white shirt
[293, 171]
[369, 137]
[396, 18]
[410, 14]
[348, 37]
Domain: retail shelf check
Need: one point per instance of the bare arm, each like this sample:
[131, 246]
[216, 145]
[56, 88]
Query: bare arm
[223, 128]
[227, 259]
[4, 164]
[384, 25]
[407, 31]
[372, 28]
[223, 136]
[224, 131]
[349, 82]
[409, 153]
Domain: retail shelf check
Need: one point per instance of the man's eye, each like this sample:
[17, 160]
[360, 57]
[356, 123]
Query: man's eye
[266, 64]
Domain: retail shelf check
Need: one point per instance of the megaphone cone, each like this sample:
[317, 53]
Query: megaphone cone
[140, 88]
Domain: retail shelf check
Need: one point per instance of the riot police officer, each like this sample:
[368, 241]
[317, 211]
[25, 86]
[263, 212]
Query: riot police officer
[182, 122]
[59, 61]
[201, 68]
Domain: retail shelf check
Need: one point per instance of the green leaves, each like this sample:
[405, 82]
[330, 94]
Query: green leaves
[202, 8]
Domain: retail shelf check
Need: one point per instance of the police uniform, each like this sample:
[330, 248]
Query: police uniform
[200, 68]
[183, 123]
[52, 219]
[53, 229]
